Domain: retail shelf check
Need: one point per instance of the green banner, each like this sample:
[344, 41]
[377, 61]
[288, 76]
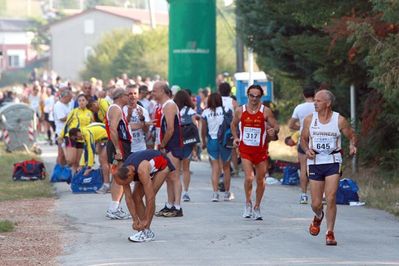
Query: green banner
[192, 43]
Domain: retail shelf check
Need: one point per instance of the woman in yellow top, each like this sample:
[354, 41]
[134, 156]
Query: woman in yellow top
[99, 108]
[79, 117]
[94, 135]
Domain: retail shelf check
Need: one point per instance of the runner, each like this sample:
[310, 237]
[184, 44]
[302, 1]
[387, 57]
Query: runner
[148, 170]
[257, 123]
[321, 142]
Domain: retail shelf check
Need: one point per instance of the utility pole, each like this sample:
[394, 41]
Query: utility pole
[152, 14]
[353, 121]
[250, 61]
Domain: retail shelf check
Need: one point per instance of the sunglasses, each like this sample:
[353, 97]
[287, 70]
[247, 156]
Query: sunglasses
[254, 96]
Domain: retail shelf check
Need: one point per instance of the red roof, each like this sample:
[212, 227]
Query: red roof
[141, 15]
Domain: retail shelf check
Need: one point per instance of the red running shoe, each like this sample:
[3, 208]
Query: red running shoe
[330, 239]
[314, 228]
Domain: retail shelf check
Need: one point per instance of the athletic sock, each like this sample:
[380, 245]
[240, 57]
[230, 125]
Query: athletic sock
[168, 205]
[177, 207]
[113, 206]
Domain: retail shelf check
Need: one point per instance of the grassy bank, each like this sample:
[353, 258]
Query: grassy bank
[6, 226]
[12, 190]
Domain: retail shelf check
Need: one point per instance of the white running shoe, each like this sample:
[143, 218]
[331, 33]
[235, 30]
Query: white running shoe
[304, 199]
[247, 211]
[186, 197]
[228, 196]
[215, 197]
[150, 234]
[139, 237]
[103, 189]
[119, 214]
[257, 215]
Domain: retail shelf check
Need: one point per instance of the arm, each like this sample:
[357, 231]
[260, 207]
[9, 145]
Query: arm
[310, 154]
[115, 116]
[293, 124]
[348, 131]
[170, 112]
[149, 193]
[272, 127]
[131, 207]
[67, 123]
[204, 126]
[234, 124]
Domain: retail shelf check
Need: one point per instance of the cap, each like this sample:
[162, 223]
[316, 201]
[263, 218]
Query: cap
[117, 93]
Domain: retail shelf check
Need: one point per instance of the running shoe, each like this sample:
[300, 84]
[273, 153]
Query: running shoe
[150, 234]
[104, 189]
[330, 239]
[228, 196]
[256, 214]
[304, 199]
[247, 211]
[314, 228]
[140, 237]
[119, 214]
[162, 211]
[174, 212]
[186, 197]
[215, 197]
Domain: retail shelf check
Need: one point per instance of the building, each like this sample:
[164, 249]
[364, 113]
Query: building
[74, 38]
[15, 44]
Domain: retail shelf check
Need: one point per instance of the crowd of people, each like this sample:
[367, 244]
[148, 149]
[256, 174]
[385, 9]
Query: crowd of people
[146, 133]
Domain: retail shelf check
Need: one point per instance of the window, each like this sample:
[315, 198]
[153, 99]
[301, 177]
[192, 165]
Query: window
[89, 26]
[13, 61]
[89, 51]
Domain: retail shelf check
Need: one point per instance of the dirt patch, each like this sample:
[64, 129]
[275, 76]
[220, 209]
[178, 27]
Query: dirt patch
[37, 236]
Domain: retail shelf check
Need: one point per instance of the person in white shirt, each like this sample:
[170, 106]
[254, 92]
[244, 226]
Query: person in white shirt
[212, 118]
[296, 123]
[61, 110]
[138, 118]
[49, 114]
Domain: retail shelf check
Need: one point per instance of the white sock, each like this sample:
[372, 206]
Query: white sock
[177, 207]
[107, 184]
[113, 206]
[168, 205]
[319, 216]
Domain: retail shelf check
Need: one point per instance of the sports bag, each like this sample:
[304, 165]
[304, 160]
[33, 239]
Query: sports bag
[290, 176]
[61, 174]
[87, 183]
[189, 129]
[29, 170]
[224, 132]
[347, 191]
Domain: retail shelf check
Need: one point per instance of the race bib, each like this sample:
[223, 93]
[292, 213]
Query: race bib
[137, 137]
[324, 145]
[251, 136]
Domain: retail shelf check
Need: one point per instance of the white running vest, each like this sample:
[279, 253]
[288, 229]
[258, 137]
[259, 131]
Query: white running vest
[325, 140]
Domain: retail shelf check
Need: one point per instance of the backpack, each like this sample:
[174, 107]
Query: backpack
[87, 183]
[347, 191]
[189, 129]
[61, 173]
[225, 137]
[29, 170]
[290, 176]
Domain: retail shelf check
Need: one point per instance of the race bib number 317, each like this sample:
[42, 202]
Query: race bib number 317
[251, 136]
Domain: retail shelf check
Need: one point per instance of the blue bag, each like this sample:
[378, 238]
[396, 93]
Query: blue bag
[225, 137]
[87, 183]
[347, 191]
[290, 176]
[61, 173]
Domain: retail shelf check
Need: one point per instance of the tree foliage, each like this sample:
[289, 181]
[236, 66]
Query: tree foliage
[335, 43]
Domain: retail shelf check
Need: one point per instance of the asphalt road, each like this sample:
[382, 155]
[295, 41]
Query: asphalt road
[216, 234]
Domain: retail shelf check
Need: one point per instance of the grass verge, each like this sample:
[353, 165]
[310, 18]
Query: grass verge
[13, 190]
[379, 189]
[6, 226]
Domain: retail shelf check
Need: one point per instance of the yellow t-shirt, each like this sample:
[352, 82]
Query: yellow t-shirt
[78, 118]
[103, 105]
[92, 134]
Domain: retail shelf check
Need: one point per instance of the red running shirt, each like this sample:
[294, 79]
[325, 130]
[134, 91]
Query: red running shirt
[253, 132]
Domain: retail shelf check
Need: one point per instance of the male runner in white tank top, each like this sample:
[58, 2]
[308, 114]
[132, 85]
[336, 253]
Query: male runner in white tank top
[321, 142]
